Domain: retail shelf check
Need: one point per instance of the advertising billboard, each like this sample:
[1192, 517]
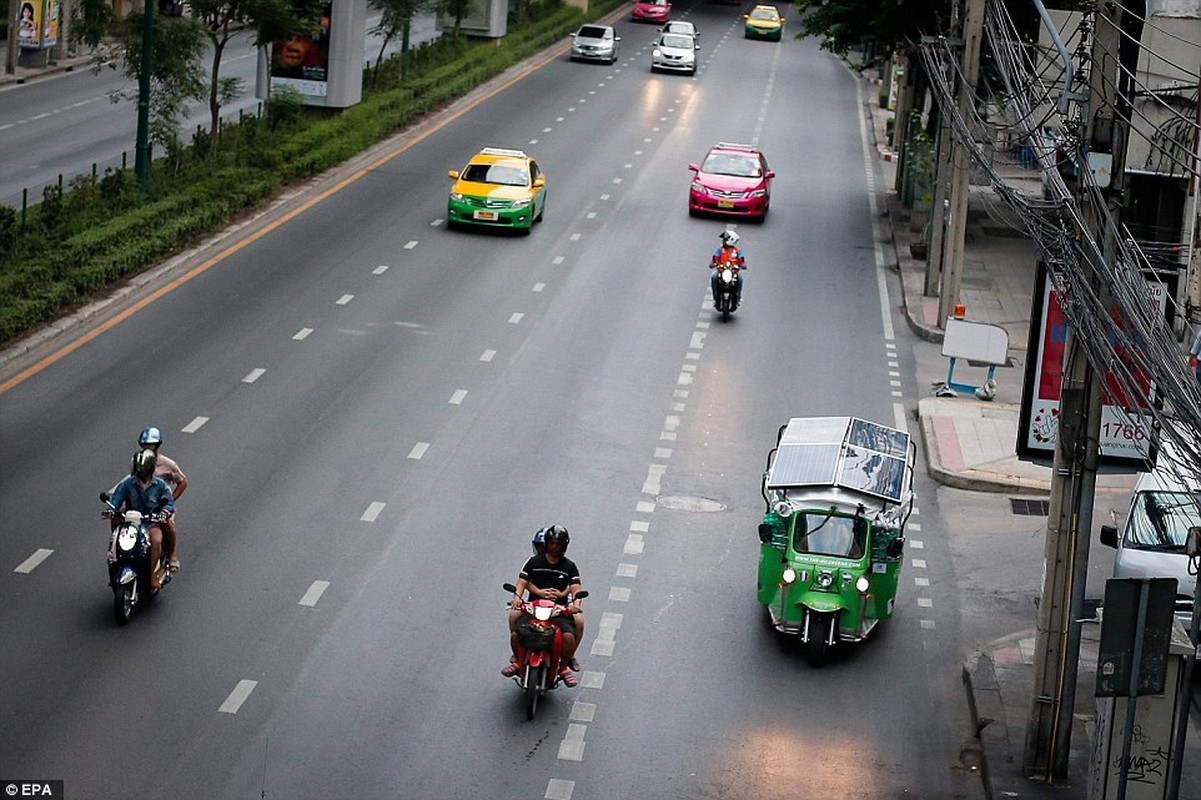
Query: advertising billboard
[302, 62]
[37, 24]
[1125, 431]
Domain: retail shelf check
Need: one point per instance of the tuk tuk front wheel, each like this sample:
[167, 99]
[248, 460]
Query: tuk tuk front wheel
[817, 649]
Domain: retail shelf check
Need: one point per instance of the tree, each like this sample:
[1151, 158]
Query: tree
[879, 24]
[396, 18]
[269, 20]
[456, 9]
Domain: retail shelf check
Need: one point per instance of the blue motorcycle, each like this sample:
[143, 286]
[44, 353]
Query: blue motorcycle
[129, 567]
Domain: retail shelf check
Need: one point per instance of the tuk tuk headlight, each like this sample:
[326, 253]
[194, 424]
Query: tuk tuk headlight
[783, 509]
[825, 579]
[788, 576]
[863, 584]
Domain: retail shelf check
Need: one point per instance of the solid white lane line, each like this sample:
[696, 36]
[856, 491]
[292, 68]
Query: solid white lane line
[237, 697]
[253, 375]
[419, 450]
[380, 270]
[303, 333]
[373, 511]
[30, 564]
[344, 299]
[488, 355]
[314, 593]
[194, 425]
[456, 399]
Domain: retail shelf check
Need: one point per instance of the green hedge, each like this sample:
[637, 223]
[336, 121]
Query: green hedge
[59, 261]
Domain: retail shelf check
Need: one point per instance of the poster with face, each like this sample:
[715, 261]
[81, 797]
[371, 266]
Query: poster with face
[302, 62]
[29, 23]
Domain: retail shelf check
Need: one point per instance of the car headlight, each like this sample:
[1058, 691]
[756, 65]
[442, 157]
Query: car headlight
[656, 53]
[521, 203]
[757, 193]
[458, 198]
[699, 187]
[788, 576]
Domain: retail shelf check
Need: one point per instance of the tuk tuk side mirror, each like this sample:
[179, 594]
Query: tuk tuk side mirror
[859, 526]
[1192, 549]
[1109, 536]
[765, 533]
[896, 547]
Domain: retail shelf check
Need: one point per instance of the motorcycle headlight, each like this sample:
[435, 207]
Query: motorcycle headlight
[727, 275]
[127, 537]
[788, 576]
[863, 584]
[543, 613]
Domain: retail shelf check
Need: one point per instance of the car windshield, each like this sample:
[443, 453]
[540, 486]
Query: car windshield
[503, 174]
[592, 32]
[828, 535]
[735, 165]
[760, 13]
[1160, 520]
[676, 40]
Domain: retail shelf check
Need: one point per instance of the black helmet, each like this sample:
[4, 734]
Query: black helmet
[150, 435]
[557, 533]
[143, 464]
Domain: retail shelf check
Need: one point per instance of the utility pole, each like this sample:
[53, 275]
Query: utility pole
[14, 27]
[952, 264]
[141, 164]
[1077, 450]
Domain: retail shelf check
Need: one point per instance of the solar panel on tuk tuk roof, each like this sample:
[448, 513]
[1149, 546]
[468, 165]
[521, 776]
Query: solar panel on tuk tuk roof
[841, 451]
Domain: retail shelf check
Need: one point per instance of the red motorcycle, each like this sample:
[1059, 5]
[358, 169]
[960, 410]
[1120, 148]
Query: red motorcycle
[539, 647]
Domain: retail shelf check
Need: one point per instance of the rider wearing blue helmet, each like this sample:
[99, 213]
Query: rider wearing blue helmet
[151, 438]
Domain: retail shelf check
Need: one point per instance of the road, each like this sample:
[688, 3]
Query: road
[69, 124]
[375, 414]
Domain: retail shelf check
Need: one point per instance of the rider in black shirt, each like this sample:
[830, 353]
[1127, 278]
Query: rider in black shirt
[551, 575]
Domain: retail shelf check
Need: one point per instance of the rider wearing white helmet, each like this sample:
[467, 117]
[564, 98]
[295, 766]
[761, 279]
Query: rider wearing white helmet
[729, 254]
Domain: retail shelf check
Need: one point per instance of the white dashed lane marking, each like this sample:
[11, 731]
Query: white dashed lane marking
[194, 425]
[372, 513]
[30, 564]
[314, 593]
[303, 333]
[254, 375]
[380, 270]
[419, 450]
[344, 299]
[456, 399]
[237, 697]
[488, 355]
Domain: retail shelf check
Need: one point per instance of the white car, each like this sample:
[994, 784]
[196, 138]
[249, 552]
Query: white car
[595, 43]
[675, 52]
[681, 26]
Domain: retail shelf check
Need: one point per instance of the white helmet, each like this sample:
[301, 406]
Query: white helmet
[729, 238]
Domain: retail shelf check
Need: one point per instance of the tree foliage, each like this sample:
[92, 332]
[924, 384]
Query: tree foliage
[396, 19]
[885, 24]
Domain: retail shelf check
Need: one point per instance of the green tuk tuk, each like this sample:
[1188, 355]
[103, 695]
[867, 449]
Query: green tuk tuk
[839, 491]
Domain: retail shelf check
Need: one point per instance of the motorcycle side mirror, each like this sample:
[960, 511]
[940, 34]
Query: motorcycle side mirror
[896, 547]
[765, 533]
[105, 497]
[582, 595]
[508, 587]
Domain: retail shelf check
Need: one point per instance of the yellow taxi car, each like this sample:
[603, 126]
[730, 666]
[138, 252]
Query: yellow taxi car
[764, 22]
[499, 187]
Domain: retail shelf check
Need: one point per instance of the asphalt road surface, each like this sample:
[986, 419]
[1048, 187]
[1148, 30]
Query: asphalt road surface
[376, 413]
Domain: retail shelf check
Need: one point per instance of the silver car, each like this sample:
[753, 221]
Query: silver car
[675, 52]
[595, 43]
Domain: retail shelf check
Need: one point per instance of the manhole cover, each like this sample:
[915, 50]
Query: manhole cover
[684, 503]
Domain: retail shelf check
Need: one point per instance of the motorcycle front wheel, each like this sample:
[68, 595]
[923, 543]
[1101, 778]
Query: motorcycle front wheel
[123, 602]
[533, 688]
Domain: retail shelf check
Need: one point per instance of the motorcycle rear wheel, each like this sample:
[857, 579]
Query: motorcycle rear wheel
[123, 603]
[533, 688]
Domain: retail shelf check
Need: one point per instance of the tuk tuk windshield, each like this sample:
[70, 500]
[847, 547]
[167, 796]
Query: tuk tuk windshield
[828, 535]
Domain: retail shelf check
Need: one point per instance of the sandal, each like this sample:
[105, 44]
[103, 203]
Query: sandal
[510, 669]
[173, 565]
[567, 678]
[574, 665]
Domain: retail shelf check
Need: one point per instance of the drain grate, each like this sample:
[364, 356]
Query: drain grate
[1025, 507]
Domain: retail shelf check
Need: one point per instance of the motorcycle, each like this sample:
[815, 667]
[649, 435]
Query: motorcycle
[129, 567]
[724, 285]
[539, 648]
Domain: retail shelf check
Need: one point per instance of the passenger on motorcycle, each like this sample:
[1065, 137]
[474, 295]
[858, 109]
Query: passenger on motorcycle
[151, 438]
[551, 576]
[141, 491]
[728, 253]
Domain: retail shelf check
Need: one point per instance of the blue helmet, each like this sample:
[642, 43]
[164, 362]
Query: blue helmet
[539, 542]
[150, 435]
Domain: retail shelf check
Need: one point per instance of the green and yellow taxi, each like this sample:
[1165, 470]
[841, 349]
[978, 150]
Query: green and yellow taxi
[764, 22]
[500, 188]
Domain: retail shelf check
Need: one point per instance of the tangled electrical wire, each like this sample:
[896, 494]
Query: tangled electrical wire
[1104, 278]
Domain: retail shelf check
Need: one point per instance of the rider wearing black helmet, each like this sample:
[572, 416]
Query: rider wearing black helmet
[552, 576]
[144, 492]
[151, 439]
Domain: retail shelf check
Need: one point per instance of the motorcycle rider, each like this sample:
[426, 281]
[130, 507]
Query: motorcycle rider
[151, 438]
[728, 253]
[552, 576]
[142, 491]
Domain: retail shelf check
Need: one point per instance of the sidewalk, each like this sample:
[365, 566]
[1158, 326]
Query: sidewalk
[23, 74]
[971, 444]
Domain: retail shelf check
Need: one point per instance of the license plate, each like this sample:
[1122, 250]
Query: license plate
[725, 203]
[486, 215]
